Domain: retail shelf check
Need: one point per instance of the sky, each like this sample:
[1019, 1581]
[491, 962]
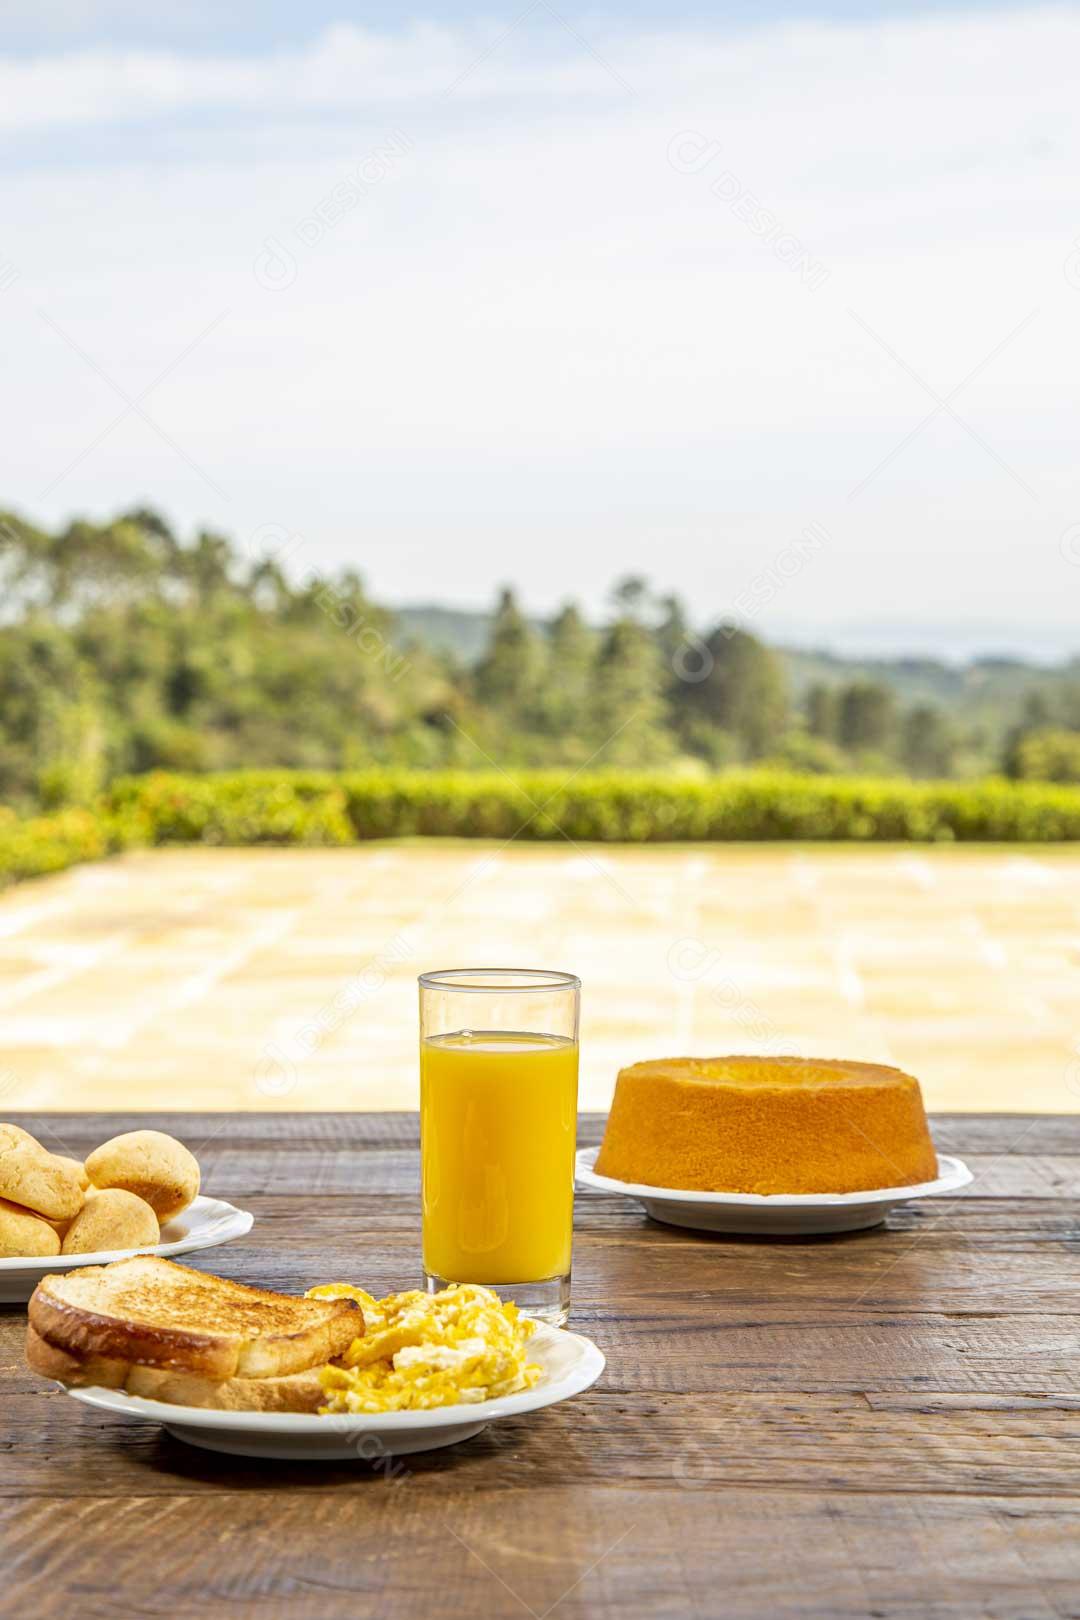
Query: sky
[778, 306]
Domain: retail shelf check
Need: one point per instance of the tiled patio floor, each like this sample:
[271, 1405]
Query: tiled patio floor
[285, 978]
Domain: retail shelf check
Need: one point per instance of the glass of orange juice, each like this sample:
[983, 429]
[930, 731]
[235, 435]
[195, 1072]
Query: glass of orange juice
[498, 1120]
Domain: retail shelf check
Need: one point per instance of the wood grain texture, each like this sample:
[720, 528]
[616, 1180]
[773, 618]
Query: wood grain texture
[1022, 1135]
[885, 1424]
[400, 1549]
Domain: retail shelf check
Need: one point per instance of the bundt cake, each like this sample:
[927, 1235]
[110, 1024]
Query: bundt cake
[767, 1125]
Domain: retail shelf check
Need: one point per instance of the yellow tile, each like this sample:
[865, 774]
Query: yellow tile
[215, 978]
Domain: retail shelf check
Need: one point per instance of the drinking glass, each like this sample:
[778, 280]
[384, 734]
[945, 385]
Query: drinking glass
[498, 1118]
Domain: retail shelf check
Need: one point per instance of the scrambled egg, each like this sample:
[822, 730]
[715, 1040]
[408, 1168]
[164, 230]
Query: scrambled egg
[420, 1350]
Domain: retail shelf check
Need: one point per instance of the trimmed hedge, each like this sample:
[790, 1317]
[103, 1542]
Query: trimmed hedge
[605, 807]
[46, 844]
[248, 807]
[321, 808]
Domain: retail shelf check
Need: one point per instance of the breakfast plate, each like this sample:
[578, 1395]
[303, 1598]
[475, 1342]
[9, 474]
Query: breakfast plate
[571, 1364]
[775, 1214]
[204, 1224]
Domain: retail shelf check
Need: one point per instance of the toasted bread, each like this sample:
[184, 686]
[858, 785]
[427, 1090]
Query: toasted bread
[295, 1392]
[149, 1312]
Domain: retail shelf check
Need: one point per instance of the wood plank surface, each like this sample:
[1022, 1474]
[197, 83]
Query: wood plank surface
[968, 1134]
[389, 1550]
[882, 1424]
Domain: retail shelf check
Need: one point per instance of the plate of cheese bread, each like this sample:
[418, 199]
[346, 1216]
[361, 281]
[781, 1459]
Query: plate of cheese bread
[768, 1146]
[136, 1192]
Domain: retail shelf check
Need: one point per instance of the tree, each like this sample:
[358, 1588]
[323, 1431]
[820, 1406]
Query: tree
[53, 743]
[743, 691]
[151, 522]
[1037, 712]
[25, 574]
[1036, 717]
[867, 717]
[927, 744]
[267, 585]
[1070, 706]
[630, 597]
[822, 712]
[629, 711]
[564, 702]
[508, 674]
[799, 751]
[91, 565]
[124, 646]
[208, 565]
[685, 655]
[1048, 755]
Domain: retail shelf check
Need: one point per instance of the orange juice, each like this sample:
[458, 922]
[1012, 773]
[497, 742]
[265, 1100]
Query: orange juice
[498, 1114]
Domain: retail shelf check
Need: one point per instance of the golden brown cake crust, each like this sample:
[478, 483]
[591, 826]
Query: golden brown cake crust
[767, 1125]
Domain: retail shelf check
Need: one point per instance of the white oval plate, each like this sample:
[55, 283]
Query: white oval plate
[775, 1214]
[205, 1223]
[571, 1364]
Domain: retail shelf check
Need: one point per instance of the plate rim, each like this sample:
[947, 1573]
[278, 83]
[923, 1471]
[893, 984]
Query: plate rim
[580, 1377]
[957, 1175]
[224, 1221]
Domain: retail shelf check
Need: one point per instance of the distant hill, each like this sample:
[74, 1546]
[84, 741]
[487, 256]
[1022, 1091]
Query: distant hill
[459, 631]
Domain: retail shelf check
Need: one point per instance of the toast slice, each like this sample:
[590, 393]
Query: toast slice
[294, 1392]
[148, 1312]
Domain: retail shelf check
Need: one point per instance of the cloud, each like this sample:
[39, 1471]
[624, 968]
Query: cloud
[970, 60]
[531, 334]
[346, 67]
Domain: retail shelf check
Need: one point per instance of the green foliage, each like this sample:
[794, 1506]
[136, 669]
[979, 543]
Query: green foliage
[318, 808]
[709, 744]
[926, 743]
[823, 712]
[867, 717]
[741, 691]
[628, 722]
[564, 706]
[507, 675]
[1047, 755]
[125, 648]
[602, 806]
[45, 844]
[802, 751]
[255, 807]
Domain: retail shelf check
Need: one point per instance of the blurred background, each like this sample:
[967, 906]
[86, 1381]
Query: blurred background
[564, 488]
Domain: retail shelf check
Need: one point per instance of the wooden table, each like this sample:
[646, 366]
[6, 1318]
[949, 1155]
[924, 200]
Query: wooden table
[886, 1424]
